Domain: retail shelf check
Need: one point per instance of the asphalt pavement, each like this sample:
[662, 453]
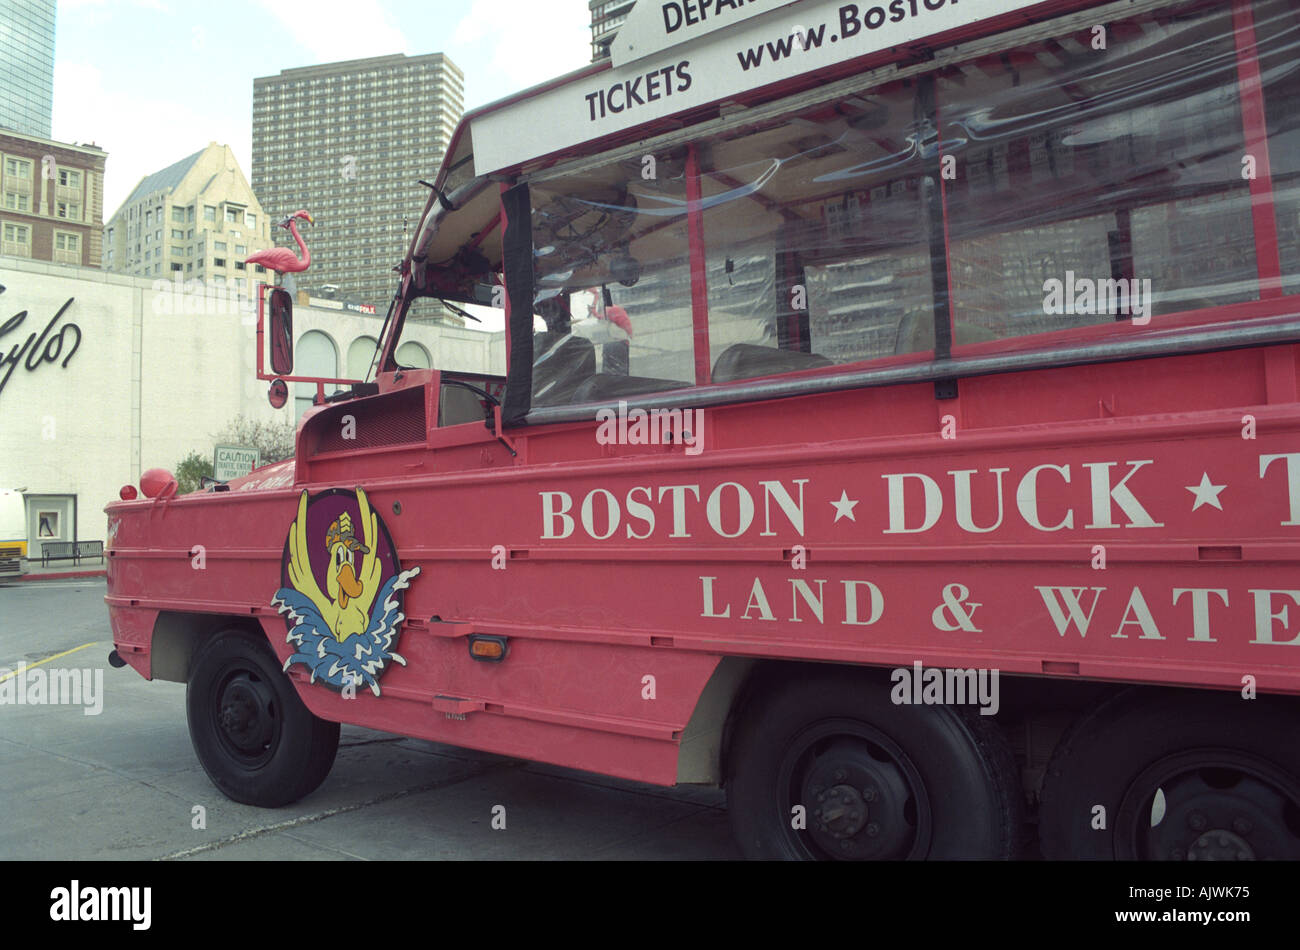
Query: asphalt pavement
[124, 783]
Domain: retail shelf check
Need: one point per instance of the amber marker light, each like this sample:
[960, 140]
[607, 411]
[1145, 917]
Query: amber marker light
[492, 649]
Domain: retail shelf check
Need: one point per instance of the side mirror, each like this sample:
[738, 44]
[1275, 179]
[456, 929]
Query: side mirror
[281, 332]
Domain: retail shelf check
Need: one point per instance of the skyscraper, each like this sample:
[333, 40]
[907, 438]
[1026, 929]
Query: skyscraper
[27, 66]
[349, 142]
[606, 17]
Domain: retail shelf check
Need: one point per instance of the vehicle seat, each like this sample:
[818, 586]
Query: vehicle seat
[561, 363]
[747, 360]
[604, 386]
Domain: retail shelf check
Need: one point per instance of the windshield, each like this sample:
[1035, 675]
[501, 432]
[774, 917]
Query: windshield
[434, 336]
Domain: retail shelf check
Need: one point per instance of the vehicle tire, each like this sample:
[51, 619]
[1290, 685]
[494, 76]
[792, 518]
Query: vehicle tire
[878, 781]
[1181, 776]
[254, 737]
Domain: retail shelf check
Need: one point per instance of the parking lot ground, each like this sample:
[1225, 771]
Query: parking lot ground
[125, 783]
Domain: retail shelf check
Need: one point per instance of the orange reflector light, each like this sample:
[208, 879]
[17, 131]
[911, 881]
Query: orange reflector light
[488, 648]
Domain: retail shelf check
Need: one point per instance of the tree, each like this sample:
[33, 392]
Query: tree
[191, 469]
[275, 440]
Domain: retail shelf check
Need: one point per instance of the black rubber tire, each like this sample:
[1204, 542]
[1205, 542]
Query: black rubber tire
[1102, 756]
[961, 760]
[299, 752]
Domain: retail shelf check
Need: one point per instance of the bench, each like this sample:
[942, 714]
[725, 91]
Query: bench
[58, 551]
[72, 551]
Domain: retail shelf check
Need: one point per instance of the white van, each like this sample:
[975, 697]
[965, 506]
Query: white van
[13, 532]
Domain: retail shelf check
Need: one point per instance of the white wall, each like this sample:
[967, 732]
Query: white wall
[151, 380]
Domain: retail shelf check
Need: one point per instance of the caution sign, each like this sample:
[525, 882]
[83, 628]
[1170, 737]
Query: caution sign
[234, 461]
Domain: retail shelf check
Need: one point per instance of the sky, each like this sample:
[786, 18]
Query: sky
[152, 81]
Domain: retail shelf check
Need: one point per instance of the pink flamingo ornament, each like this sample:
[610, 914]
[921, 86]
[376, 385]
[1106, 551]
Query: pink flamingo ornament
[613, 313]
[283, 260]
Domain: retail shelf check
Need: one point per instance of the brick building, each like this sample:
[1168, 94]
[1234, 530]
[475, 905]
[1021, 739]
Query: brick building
[51, 200]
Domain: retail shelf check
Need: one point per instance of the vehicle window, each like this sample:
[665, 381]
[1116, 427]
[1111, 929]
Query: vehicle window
[1277, 26]
[816, 242]
[1082, 165]
[613, 285]
[1082, 187]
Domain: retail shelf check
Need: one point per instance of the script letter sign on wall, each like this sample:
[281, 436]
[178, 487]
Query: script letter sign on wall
[44, 347]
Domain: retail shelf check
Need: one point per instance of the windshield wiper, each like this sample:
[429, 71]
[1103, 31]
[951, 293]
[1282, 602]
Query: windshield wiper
[374, 360]
[458, 311]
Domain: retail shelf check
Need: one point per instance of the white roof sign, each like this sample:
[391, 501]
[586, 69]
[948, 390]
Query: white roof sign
[653, 26]
[755, 51]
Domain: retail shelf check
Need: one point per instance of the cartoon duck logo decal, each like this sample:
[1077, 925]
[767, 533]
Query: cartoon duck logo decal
[341, 590]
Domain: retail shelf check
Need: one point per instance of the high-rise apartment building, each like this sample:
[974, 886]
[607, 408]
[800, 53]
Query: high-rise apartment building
[606, 17]
[349, 142]
[27, 66]
[51, 199]
[196, 219]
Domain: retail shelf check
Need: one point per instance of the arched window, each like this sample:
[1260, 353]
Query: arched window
[315, 355]
[360, 355]
[414, 356]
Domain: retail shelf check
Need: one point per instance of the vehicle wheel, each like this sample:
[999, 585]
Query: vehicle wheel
[878, 781]
[254, 737]
[1181, 776]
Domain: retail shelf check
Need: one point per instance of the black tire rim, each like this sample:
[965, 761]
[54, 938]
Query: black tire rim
[245, 715]
[863, 798]
[1209, 805]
